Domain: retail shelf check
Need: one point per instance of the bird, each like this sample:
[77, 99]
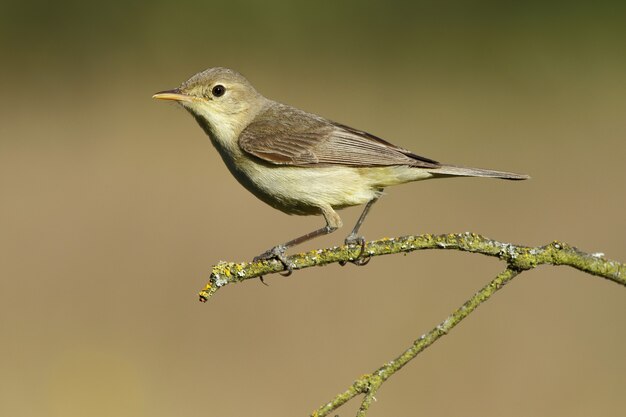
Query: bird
[301, 163]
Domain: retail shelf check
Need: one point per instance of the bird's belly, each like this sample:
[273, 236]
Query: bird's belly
[303, 190]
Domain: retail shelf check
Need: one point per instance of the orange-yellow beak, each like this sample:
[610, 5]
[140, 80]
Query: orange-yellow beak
[174, 94]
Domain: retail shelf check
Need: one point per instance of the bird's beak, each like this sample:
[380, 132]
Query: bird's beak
[174, 94]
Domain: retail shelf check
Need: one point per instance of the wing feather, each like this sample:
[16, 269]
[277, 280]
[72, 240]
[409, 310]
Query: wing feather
[284, 135]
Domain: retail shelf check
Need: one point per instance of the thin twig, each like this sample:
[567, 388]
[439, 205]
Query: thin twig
[378, 377]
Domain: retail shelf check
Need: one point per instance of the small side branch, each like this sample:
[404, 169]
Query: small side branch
[517, 257]
[368, 384]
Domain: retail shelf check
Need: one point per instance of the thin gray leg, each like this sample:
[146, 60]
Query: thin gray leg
[333, 222]
[354, 238]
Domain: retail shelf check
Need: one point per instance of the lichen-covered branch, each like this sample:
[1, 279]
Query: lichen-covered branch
[368, 384]
[518, 258]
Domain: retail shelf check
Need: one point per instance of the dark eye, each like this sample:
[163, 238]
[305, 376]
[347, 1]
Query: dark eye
[218, 90]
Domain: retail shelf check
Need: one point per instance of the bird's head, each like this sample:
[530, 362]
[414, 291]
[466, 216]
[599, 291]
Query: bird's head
[221, 100]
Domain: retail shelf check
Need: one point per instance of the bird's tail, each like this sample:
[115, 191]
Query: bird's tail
[456, 171]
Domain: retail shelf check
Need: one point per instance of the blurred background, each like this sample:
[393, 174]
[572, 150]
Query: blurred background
[114, 207]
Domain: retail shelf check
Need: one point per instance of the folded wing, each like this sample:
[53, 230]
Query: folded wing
[284, 135]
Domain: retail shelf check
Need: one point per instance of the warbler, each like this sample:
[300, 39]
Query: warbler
[299, 162]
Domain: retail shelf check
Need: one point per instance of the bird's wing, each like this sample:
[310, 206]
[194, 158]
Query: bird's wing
[284, 135]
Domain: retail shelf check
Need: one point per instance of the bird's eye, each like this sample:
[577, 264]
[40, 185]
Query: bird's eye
[218, 90]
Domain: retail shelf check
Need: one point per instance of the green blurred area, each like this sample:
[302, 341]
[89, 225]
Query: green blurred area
[485, 38]
[114, 206]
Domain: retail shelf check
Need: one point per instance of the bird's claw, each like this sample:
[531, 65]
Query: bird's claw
[277, 252]
[361, 259]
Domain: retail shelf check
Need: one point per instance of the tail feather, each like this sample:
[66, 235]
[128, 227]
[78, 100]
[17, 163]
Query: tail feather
[456, 171]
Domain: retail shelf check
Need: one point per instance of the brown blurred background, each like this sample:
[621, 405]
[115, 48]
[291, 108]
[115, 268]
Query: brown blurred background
[114, 207]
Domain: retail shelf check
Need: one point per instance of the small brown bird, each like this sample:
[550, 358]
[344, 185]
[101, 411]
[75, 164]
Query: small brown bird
[298, 162]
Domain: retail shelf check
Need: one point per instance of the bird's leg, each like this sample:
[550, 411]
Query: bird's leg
[354, 238]
[333, 222]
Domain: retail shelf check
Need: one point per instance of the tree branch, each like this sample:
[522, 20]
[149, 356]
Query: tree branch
[518, 259]
[516, 256]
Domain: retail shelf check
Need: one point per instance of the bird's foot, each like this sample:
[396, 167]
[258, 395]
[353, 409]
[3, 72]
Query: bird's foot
[362, 258]
[277, 252]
